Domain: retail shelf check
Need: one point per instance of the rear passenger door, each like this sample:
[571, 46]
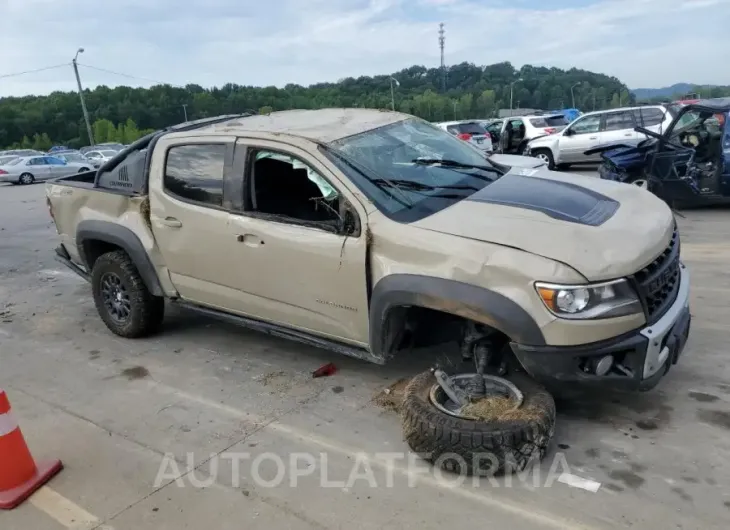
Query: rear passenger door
[578, 137]
[189, 215]
[618, 126]
[650, 118]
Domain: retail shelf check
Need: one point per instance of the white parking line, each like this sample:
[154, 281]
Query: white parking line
[64, 511]
[579, 482]
[526, 512]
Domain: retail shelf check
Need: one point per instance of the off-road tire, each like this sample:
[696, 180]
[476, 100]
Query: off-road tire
[147, 310]
[475, 447]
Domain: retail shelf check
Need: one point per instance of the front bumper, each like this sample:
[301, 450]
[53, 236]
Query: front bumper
[640, 358]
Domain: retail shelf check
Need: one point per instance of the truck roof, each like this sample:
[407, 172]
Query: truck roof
[321, 125]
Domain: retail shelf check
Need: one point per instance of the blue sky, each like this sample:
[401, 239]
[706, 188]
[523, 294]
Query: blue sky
[642, 42]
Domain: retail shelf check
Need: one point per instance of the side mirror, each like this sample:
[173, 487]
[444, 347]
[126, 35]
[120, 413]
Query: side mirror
[568, 132]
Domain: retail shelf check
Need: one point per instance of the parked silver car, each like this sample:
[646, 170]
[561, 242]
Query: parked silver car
[4, 159]
[597, 128]
[76, 157]
[100, 156]
[470, 131]
[29, 169]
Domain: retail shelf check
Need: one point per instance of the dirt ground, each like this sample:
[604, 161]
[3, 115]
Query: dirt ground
[211, 426]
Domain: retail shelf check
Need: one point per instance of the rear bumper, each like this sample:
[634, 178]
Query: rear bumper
[640, 358]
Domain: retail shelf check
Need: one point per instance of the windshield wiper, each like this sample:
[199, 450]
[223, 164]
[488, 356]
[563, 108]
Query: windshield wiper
[453, 163]
[418, 186]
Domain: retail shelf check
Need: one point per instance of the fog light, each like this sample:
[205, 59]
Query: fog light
[603, 366]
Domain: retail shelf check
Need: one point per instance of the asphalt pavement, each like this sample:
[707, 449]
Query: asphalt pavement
[211, 426]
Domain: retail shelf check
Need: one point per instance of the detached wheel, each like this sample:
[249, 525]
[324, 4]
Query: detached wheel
[122, 299]
[507, 443]
[26, 178]
[546, 156]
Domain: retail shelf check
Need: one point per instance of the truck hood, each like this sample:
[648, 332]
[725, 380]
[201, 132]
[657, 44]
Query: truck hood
[602, 229]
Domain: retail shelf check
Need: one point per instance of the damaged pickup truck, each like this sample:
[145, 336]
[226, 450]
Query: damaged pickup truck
[688, 164]
[368, 232]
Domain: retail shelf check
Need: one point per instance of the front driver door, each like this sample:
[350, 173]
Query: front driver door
[299, 271]
[578, 137]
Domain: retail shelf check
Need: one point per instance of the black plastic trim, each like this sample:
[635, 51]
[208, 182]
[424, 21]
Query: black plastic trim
[62, 256]
[125, 239]
[475, 303]
[284, 332]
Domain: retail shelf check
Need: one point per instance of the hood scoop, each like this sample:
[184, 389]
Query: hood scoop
[560, 200]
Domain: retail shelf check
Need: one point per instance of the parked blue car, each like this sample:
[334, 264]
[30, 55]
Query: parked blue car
[688, 163]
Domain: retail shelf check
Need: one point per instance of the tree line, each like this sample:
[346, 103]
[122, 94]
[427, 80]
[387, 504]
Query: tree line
[458, 92]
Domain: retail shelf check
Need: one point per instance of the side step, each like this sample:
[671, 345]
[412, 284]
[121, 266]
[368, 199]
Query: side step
[62, 256]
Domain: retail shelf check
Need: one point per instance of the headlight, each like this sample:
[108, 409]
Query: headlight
[591, 301]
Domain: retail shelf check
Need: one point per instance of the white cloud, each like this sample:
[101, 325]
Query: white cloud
[642, 42]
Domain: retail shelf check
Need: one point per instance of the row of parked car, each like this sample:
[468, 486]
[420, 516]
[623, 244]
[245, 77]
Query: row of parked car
[25, 166]
[679, 150]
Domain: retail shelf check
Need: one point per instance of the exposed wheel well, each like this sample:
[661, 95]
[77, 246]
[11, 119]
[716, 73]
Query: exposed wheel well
[95, 248]
[420, 327]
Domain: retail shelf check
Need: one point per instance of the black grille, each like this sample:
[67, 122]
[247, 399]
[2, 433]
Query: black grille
[658, 282]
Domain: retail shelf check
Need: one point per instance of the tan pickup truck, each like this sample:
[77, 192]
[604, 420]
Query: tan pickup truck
[367, 232]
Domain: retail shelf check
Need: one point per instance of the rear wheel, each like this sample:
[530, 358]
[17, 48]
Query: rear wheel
[122, 299]
[83, 169]
[26, 178]
[546, 156]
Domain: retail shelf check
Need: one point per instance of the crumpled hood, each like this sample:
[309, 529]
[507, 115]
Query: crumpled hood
[602, 229]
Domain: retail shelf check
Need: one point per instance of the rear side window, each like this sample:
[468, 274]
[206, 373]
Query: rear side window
[195, 173]
[471, 128]
[549, 121]
[616, 121]
[652, 116]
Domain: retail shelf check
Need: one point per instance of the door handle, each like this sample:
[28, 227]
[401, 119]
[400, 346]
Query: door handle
[252, 240]
[593, 137]
[628, 134]
[171, 222]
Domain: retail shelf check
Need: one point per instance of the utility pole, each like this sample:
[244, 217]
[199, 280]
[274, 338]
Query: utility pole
[81, 95]
[392, 91]
[511, 92]
[185, 110]
[572, 95]
[442, 43]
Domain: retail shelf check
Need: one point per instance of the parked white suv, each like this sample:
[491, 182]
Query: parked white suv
[471, 131]
[515, 132]
[597, 128]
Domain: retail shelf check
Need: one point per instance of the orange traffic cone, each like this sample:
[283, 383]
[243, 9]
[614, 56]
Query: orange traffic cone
[19, 474]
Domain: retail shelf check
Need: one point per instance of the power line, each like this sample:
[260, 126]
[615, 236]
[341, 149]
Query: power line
[34, 71]
[129, 75]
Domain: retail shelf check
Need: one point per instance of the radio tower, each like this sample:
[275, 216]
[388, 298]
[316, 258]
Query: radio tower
[442, 42]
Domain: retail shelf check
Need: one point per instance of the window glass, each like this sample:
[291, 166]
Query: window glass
[195, 172]
[617, 121]
[328, 192]
[549, 121]
[471, 128]
[586, 125]
[37, 161]
[397, 167]
[53, 161]
[652, 116]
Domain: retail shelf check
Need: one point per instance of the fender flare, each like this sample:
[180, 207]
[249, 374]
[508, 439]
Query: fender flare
[123, 238]
[450, 296]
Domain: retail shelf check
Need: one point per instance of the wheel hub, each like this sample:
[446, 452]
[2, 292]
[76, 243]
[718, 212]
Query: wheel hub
[466, 385]
[115, 297]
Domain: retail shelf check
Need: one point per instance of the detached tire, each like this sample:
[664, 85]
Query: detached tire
[122, 299]
[476, 447]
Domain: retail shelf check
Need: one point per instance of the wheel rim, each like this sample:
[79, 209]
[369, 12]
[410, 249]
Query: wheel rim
[115, 297]
[496, 387]
[543, 157]
[26, 179]
[642, 183]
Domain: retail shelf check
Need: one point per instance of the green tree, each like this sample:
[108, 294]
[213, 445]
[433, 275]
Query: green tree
[131, 132]
[104, 131]
[25, 143]
[266, 109]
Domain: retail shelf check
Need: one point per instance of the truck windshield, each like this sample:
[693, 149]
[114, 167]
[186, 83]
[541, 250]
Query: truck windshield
[412, 169]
